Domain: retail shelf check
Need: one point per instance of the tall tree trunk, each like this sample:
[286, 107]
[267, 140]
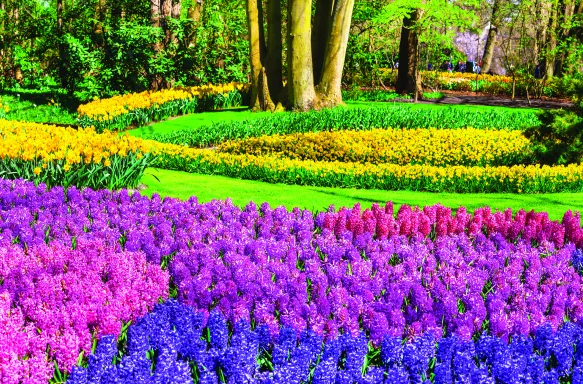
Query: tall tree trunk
[274, 59]
[330, 85]
[62, 68]
[569, 11]
[495, 20]
[408, 76]
[320, 33]
[194, 14]
[552, 41]
[98, 23]
[260, 97]
[155, 20]
[166, 14]
[176, 9]
[301, 92]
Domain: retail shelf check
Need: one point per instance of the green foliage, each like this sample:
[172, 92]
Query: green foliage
[22, 110]
[124, 172]
[356, 94]
[347, 118]
[559, 138]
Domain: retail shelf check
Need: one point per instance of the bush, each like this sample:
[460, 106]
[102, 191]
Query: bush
[559, 138]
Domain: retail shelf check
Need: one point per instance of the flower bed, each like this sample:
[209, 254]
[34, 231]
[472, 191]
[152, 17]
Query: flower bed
[466, 146]
[362, 119]
[416, 177]
[492, 288]
[65, 156]
[177, 334]
[63, 299]
[121, 112]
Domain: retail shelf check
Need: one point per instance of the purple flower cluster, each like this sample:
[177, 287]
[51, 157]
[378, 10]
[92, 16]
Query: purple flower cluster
[330, 276]
[71, 296]
[402, 287]
[174, 345]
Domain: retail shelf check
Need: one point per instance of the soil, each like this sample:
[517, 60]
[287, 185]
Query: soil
[473, 98]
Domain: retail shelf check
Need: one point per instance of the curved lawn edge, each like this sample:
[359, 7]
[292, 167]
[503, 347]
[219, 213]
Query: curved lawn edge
[183, 185]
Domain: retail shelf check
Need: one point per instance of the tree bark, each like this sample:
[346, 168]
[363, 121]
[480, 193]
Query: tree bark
[260, 97]
[552, 41]
[301, 91]
[408, 76]
[495, 20]
[194, 14]
[320, 35]
[62, 68]
[274, 59]
[569, 11]
[330, 85]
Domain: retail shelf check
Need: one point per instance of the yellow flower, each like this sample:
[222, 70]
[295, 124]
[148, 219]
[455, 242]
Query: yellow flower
[37, 171]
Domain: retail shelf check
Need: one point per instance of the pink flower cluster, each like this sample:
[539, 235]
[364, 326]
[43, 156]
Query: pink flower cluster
[70, 296]
[438, 220]
[22, 350]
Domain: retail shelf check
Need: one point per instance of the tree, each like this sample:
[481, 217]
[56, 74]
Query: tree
[419, 17]
[316, 53]
[495, 21]
[408, 76]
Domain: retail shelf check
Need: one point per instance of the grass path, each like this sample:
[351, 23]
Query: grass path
[183, 185]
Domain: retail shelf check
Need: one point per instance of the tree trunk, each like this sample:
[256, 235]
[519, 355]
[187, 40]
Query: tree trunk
[320, 33]
[274, 59]
[552, 41]
[194, 14]
[62, 68]
[569, 10]
[330, 85]
[301, 91]
[495, 20]
[260, 97]
[408, 76]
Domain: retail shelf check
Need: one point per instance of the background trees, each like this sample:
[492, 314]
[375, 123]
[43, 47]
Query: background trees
[102, 47]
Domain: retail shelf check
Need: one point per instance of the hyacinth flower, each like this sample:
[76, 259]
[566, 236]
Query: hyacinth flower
[23, 356]
[156, 354]
[71, 296]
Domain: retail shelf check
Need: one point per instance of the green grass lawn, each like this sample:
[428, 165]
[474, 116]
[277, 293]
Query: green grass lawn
[206, 188]
[197, 120]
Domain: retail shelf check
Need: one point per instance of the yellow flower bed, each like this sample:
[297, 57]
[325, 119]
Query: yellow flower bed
[107, 109]
[517, 178]
[65, 156]
[397, 146]
[47, 143]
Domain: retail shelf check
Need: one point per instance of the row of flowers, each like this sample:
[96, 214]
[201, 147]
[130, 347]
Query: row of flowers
[77, 265]
[138, 109]
[467, 146]
[186, 349]
[416, 177]
[65, 156]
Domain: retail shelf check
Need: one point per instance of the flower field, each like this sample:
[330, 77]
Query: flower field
[268, 295]
[65, 156]
[121, 112]
[467, 146]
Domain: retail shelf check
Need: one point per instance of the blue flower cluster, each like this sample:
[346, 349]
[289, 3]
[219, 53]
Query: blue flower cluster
[174, 344]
